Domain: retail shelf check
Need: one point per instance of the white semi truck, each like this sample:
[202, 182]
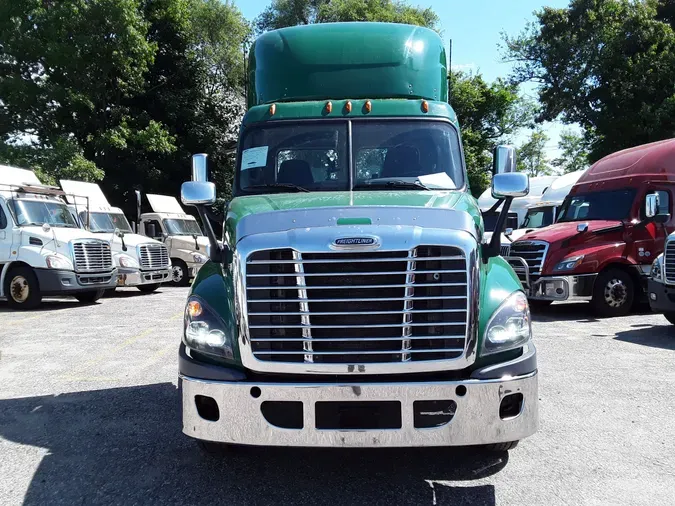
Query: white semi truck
[43, 252]
[141, 262]
[180, 233]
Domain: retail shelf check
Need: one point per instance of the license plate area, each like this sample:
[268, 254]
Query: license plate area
[358, 415]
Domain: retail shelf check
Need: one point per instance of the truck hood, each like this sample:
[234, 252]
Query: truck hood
[62, 234]
[187, 242]
[130, 240]
[568, 230]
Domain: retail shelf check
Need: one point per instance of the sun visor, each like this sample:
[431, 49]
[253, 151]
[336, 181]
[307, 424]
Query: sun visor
[164, 204]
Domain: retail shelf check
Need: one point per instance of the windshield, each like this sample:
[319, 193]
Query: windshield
[290, 157]
[32, 212]
[490, 221]
[106, 222]
[182, 227]
[539, 217]
[611, 205]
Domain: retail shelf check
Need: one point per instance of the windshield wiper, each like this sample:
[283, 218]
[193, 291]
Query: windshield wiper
[278, 186]
[416, 185]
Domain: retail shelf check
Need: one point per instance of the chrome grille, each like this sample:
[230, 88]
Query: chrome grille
[505, 250]
[357, 307]
[153, 256]
[533, 253]
[92, 256]
[669, 262]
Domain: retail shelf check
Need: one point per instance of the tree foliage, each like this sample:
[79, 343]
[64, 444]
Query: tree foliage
[489, 113]
[531, 156]
[282, 13]
[123, 90]
[608, 65]
[573, 152]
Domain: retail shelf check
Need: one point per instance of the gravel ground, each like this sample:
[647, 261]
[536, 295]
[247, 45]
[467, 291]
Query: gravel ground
[90, 414]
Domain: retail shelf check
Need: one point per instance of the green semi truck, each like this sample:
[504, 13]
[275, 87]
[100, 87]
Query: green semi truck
[351, 300]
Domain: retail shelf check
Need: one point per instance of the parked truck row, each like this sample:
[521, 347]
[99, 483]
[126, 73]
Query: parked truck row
[69, 241]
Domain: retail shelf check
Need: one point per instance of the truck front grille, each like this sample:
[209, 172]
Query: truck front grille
[153, 256]
[92, 256]
[669, 262]
[505, 250]
[357, 307]
[533, 253]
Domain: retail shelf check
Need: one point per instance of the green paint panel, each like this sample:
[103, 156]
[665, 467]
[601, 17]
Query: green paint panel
[347, 60]
[354, 221]
[379, 108]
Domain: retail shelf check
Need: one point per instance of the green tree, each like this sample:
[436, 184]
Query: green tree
[573, 152]
[531, 156]
[489, 113]
[282, 13]
[607, 65]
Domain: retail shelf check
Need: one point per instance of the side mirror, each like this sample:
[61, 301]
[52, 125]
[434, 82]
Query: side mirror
[503, 160]
[510, 184]
[651, 205]
[119, 233]
[198, 191]
[151, 230]
[508, 232]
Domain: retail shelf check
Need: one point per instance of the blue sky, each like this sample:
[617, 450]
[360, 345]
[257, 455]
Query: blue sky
[475, 28]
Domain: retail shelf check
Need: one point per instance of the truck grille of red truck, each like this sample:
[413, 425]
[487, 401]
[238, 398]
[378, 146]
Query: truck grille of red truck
[534, 254]
[669, 262]
[357, 307]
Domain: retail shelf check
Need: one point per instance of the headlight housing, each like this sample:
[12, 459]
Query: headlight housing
[204, 330]
[58, 262]
[657, 272]
[510, 326]
[569, 264]
[127, 261]
[199, 258]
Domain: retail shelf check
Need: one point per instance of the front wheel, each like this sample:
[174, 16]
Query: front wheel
[148, 288]
[613, 293]
[22, 288]
[670, 317]
[89, 297]
[179, 273]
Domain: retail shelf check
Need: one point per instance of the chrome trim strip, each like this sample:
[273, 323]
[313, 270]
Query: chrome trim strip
[347, 339]
[308, 239]
[373, 260]
[379, 299]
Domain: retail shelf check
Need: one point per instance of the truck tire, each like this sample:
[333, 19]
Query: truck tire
[89, 297]
[22, 288]
[216, 449]
[613, 293]
[148, 288]
[670, 317]
[501, 447]
[180, 276]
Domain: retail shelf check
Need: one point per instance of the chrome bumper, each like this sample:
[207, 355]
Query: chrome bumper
[136, 277]
[476, 421]
[571, 288]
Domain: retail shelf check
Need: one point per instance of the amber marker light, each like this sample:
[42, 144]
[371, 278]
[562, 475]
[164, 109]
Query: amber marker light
[194, 308]
[368, 106]
[329, 107]
[425, 106]
[273, 109]
[348, 107]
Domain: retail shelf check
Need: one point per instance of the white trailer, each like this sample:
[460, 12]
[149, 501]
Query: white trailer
[141, 262]
[181, 234]
[43, 252]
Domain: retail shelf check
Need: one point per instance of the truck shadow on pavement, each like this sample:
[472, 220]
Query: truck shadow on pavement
[47, 305]
[580, 312]
[661, 336]
[125, 446]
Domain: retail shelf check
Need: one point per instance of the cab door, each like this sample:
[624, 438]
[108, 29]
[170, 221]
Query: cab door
[648, 239]
[5, 234]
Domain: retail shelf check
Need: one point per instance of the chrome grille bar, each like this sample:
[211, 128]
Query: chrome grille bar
[669, 262]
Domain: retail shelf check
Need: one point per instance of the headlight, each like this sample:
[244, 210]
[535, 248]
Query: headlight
[57, 262]
[510, 326]
[199, 258]
[127, 261]
[657, 269]
[204, 330]
[569, 263]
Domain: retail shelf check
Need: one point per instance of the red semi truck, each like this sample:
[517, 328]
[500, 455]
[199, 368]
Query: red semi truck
[611, 227]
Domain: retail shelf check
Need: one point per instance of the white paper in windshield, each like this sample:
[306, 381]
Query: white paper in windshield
[254, 157]
[438, 180]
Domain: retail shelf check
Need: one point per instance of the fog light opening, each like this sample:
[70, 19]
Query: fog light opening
[460, 391]
[207, 407]
[511, 406]
[283, 414]
[255, 392]
[652, 296]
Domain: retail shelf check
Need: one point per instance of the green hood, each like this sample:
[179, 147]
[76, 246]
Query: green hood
[256, 204]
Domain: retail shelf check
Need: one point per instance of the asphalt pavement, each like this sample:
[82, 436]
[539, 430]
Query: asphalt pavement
[90, 414]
